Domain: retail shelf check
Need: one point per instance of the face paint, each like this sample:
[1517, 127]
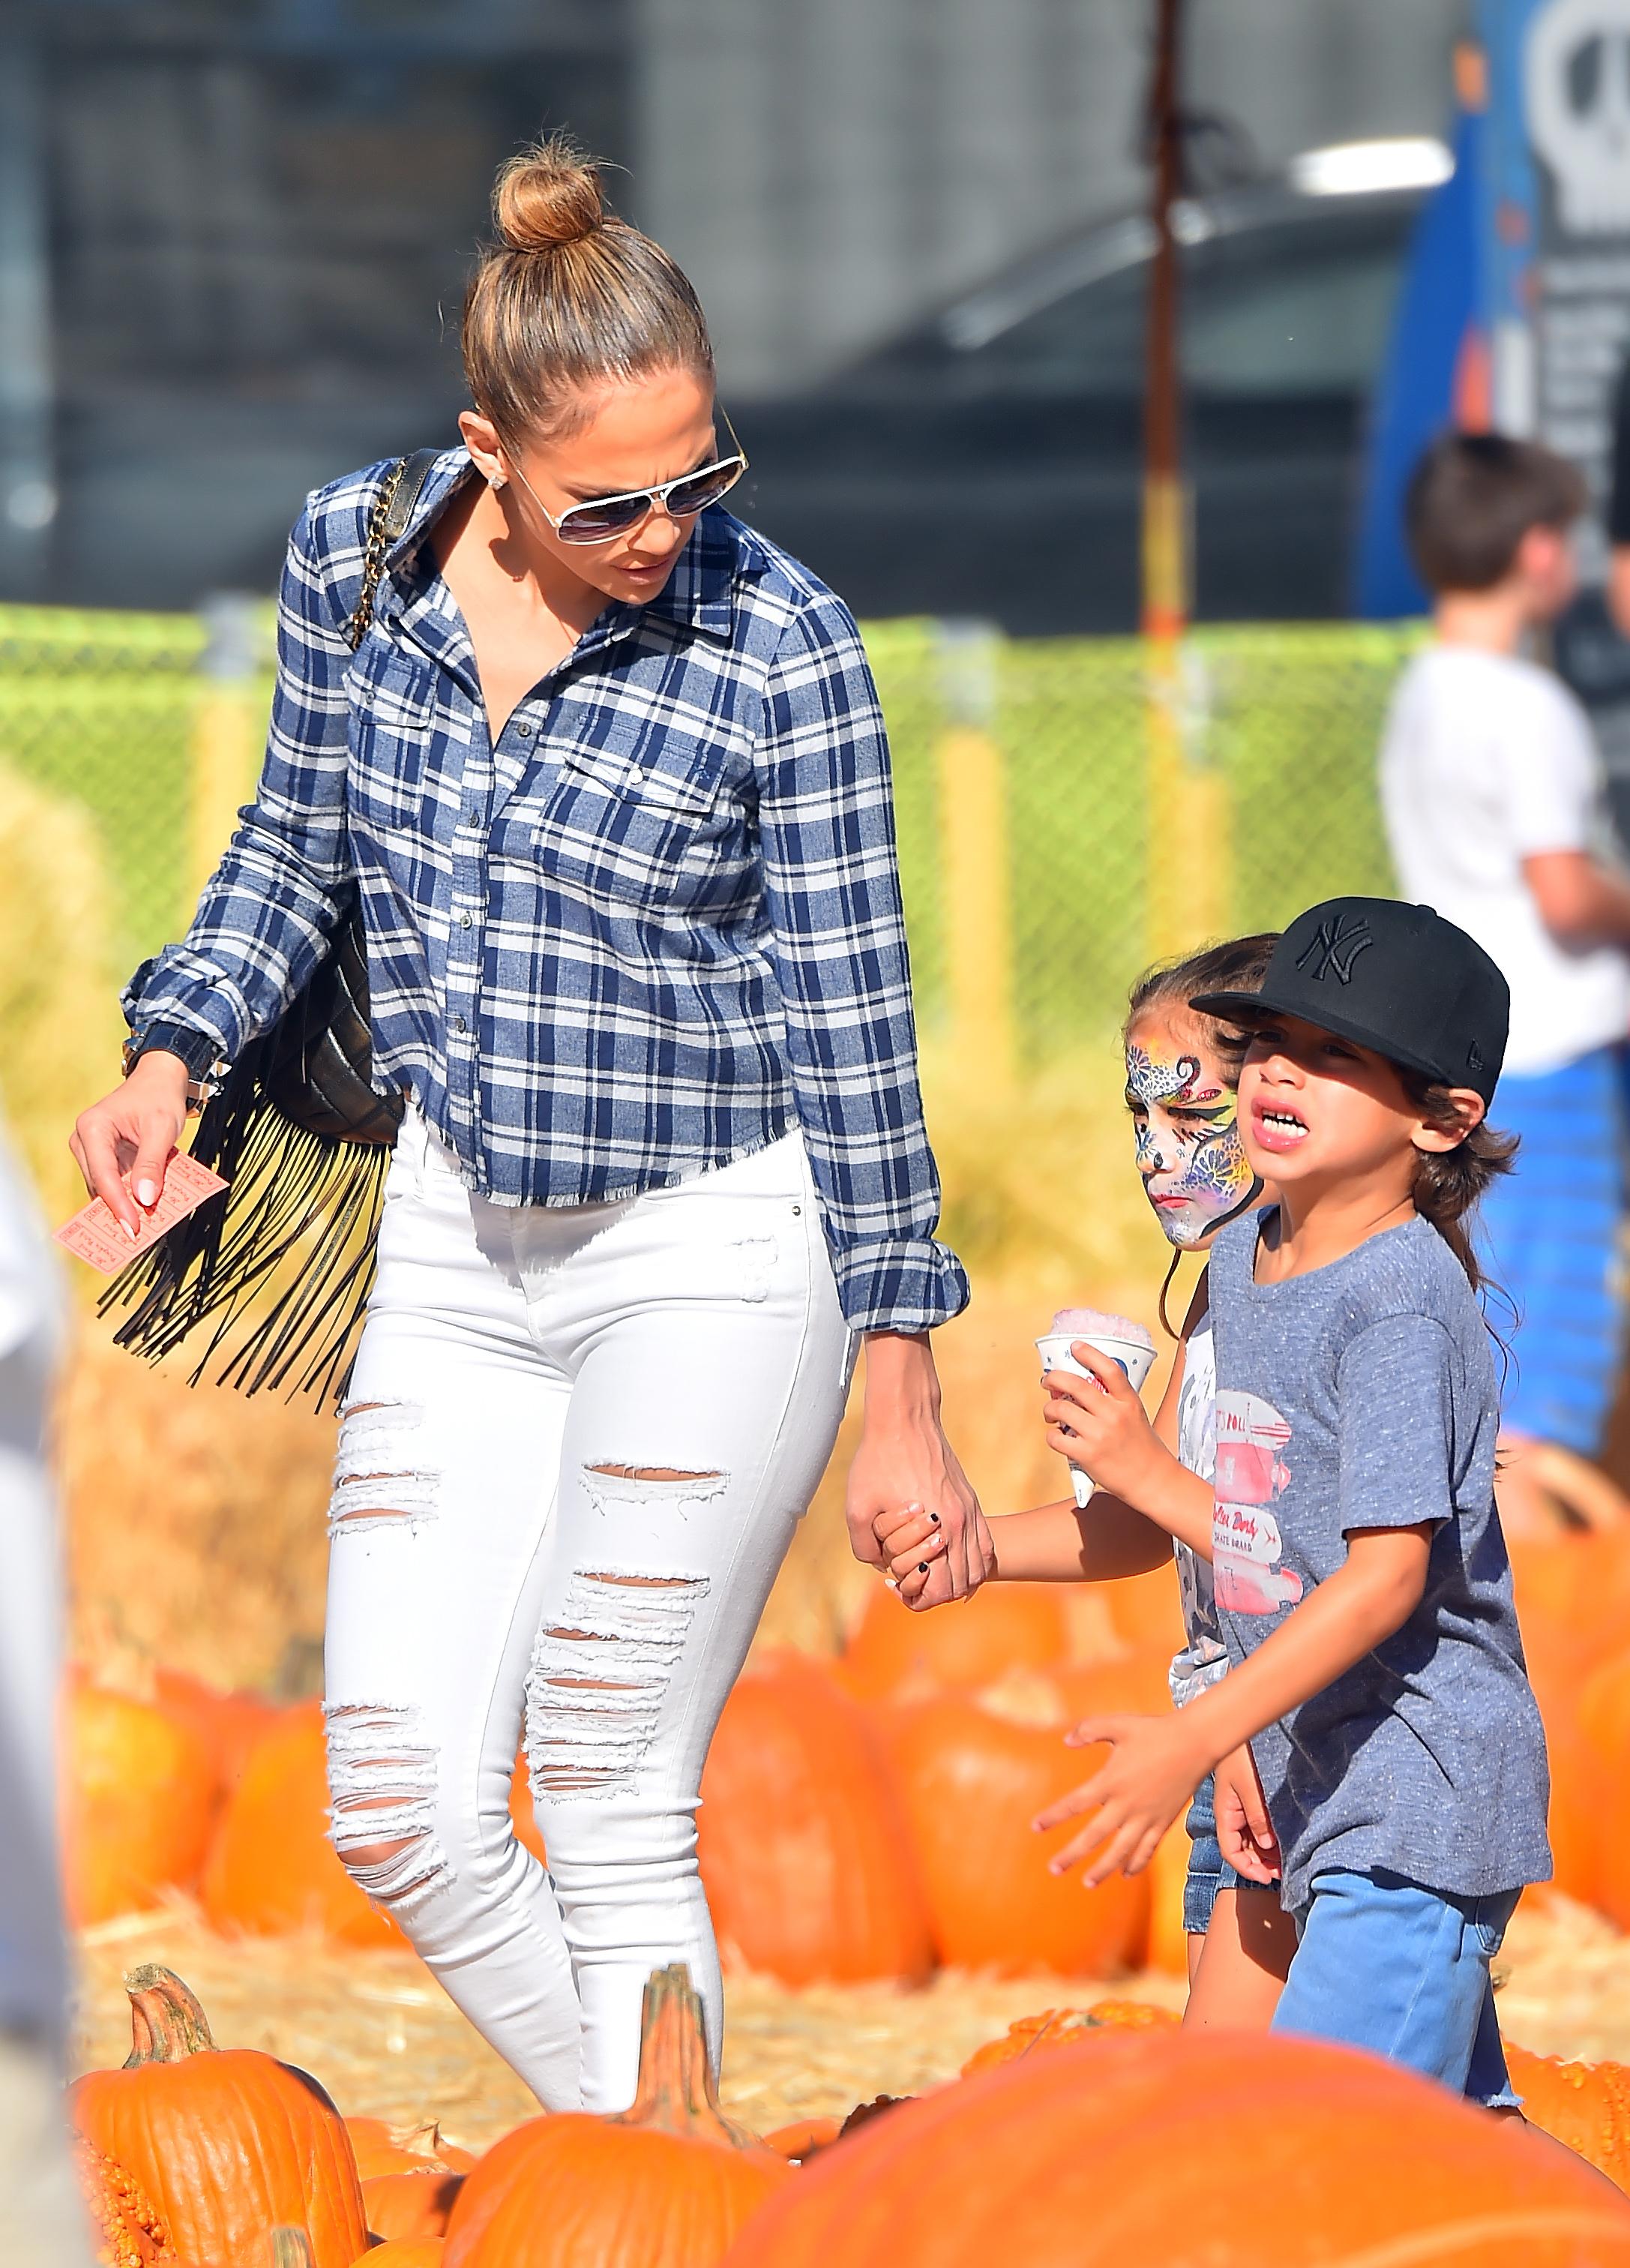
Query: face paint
[1195, 1173]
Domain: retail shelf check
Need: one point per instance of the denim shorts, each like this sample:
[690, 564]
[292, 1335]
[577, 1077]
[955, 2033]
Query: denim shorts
[1383, 1964]
[1208, 1872]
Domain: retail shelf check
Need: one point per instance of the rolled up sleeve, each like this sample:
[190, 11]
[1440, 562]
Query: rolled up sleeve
[838, 943]
[264, 919]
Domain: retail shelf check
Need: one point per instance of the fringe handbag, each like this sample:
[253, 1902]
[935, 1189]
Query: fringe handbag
[280, 1264]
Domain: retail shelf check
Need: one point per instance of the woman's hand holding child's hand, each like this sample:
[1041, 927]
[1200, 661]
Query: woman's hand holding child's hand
[1100, 1423]
[1151, 1777]
[912, 1543]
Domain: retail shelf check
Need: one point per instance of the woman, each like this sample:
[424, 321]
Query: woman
[608, 775]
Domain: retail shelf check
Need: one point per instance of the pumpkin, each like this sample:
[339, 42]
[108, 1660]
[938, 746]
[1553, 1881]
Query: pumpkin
[413, 2204]
[804, 2138]
[380, 2148]
[1060, 2028]
[972, 1781]
[666, 2183]
[406, 2252]
[1147, 1611]
[225, 2142]
[522, 1812]
[897, 1654]
[803, 1845]
[139, 1802]
[128, 2228]
[1107, 2153]
[1586, 2105]
[1167, 1949]
[271, 1868]
[229, 1724]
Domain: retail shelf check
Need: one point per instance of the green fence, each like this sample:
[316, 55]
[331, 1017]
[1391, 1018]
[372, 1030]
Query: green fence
[1062, 814]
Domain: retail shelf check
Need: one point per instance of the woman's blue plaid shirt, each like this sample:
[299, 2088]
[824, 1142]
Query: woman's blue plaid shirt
[654, 927]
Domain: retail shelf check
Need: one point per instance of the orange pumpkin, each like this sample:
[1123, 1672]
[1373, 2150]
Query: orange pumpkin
[804, 2137]
[271, 1868]
[523, 1816]
[972, 1782]
[1587, 2105]
[1093, 2157]
[1063, 2028]
[803, 1845]
[897, 1654]
[229, 1724]
[666, 2183]
[139, 1802]
[413, 2203]
[1147, 1611]
[225, 2142]
[379, 2147]
[406, 2252]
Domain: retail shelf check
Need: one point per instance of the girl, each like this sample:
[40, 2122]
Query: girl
[1181, 1069]
[1360, 1574]
[608, 772]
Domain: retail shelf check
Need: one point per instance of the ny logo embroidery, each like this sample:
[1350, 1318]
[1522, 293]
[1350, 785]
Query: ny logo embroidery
[1337, 945]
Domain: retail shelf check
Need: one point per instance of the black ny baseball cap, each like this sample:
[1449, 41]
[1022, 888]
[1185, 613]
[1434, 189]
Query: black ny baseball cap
[1399, 979]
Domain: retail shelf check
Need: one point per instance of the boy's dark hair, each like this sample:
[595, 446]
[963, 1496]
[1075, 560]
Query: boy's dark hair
[1449, 1182]
[1238, 964]
[1471, 499]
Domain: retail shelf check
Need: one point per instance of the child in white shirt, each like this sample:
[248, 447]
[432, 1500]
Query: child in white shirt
[1493, 792]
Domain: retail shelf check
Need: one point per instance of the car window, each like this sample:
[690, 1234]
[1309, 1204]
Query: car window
[1270, 316]
[1296, 306]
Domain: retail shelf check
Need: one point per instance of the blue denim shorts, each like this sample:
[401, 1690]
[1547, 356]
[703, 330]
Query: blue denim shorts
[1383, 1964]
[1208, 1872]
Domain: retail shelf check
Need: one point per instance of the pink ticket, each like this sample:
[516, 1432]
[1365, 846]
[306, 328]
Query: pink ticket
[96, 1236]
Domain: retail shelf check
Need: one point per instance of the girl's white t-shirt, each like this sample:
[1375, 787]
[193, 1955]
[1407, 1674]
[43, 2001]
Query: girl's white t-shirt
[1489, 759]
[1204, 1658]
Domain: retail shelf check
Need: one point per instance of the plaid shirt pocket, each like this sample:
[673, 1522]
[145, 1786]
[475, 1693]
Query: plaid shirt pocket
[626, 833]
[392, 713]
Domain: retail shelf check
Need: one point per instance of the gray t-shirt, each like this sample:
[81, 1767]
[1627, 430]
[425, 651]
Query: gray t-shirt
[1362, 1395]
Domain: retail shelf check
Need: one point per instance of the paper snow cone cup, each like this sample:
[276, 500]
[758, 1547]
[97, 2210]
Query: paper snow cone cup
[1127, 1343]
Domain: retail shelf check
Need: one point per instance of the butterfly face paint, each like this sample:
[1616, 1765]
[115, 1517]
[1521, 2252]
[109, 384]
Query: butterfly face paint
[1195, 1173]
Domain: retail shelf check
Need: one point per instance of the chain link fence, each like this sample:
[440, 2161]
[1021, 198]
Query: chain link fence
[1067, 810]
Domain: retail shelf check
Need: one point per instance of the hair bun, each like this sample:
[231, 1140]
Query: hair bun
[548, 195]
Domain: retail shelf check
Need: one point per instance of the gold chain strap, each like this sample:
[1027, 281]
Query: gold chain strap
[373, 555]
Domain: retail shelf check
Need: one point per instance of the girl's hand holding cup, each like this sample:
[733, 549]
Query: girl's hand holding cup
[1099, 1423]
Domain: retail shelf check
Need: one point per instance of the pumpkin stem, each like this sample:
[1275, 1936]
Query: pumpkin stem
[166, 2023]
[291, 2249]
[676, 2093]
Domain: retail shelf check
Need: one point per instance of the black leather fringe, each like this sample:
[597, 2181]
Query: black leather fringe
[278, 1267]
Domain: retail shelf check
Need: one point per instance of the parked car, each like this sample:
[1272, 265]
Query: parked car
[988, 461]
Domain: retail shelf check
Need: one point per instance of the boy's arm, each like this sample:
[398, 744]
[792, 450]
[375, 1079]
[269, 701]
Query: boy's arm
[1158, 1762]
[1396, 1420]
[1581, 903]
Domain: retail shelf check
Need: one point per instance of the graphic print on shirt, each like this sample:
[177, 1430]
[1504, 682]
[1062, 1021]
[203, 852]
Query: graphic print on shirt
[1251, 1474]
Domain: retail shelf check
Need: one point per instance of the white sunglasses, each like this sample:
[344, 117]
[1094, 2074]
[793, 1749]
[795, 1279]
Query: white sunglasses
[601, 517]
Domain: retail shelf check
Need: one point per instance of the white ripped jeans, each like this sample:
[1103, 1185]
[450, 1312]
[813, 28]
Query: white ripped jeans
[503, 1562]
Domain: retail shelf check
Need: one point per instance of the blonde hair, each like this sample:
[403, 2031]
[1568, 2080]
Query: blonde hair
[570, 299]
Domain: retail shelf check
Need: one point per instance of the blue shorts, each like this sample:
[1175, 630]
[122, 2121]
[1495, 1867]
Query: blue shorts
[1551, 1232]
[1208, 1872]
[1383, 1964]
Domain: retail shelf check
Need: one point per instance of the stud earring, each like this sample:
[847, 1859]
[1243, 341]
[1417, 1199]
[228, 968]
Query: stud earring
[494, 481]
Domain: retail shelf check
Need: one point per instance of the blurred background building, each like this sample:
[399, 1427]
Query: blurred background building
[233, 232]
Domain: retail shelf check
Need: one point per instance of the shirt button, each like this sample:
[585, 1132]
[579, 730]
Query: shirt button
[471, 814]
[458, 1023]
[636, 777]
[464, 921]
[525, 730]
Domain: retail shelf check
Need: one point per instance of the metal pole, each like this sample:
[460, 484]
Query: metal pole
[1165, 579]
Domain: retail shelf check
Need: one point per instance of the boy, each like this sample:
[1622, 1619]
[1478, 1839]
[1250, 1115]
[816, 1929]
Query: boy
[1492, 789]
